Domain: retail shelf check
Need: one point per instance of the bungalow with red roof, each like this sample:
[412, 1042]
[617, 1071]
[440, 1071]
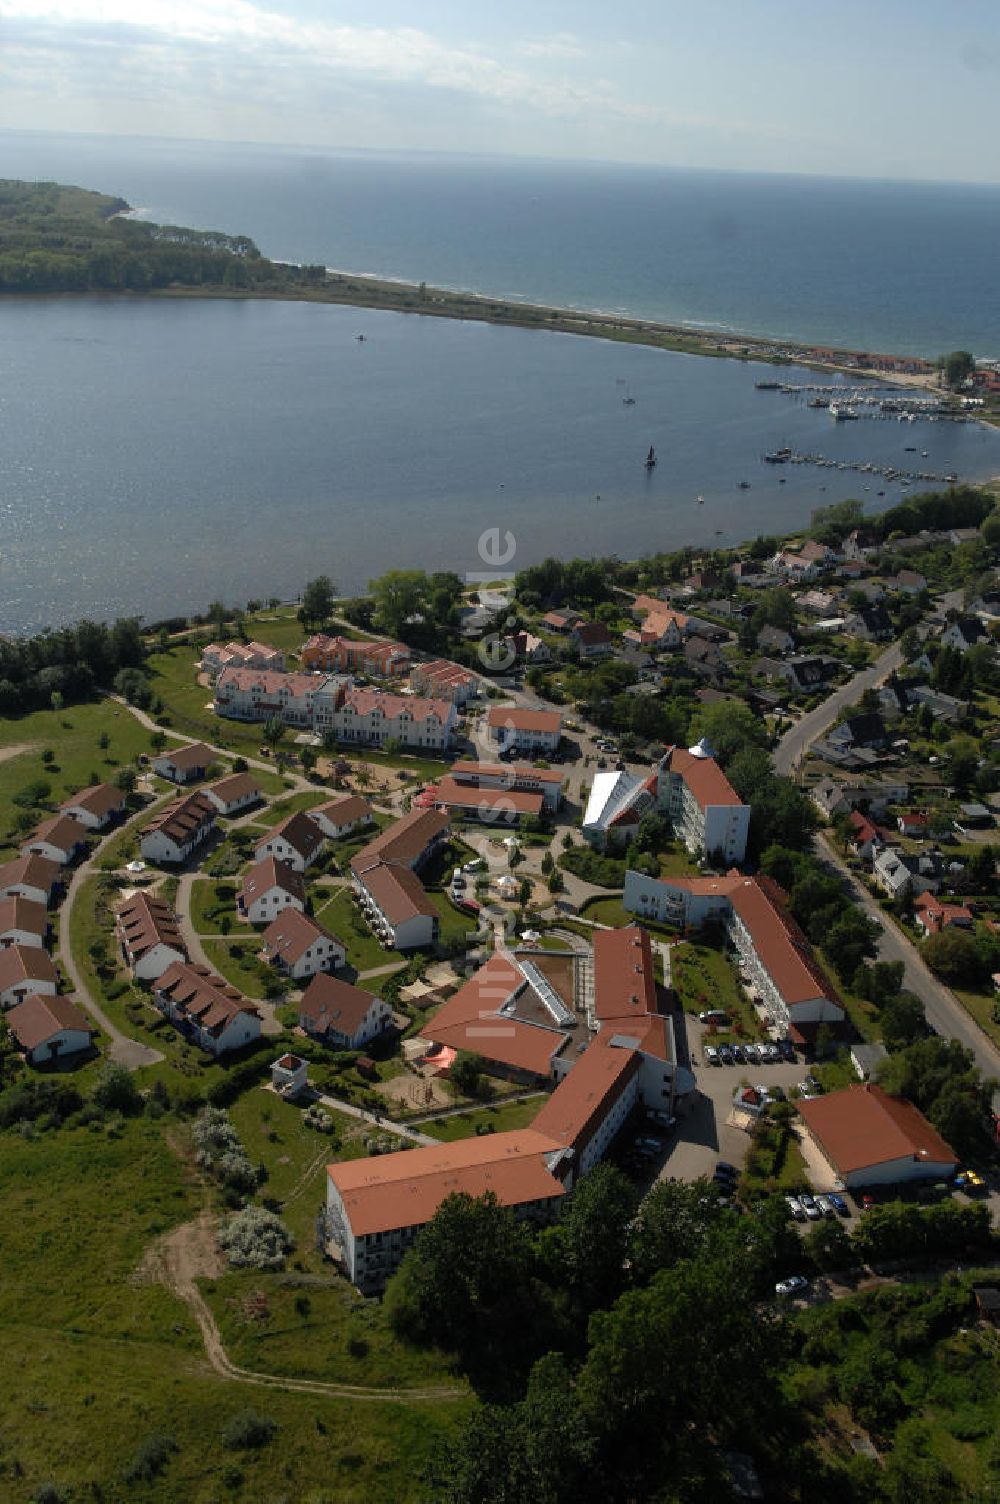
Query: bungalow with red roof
[233, 794]
[914, 823]
[206, 1009]
[95, 807]
[61, 839]
[864, 836]
[33, 877]
[342, 817]
[300, 947]
[561, 621]
[23, 921]
[184, 764]
[512, 729]
[297, 841]
[49, 1028]
[592, 638]
[148, 935]
[268, 889]
[343, 1016]
[24, 971]
[177, 831]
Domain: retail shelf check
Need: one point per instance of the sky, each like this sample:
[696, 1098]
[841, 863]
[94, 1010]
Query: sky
[868, 88]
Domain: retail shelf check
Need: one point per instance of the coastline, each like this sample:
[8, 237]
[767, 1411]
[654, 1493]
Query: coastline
[361, 291]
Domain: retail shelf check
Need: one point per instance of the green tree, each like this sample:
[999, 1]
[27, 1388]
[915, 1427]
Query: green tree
[308, 759]
[957, 368]
[399, 594]
[953, 955]
[274, 730]
[466, 1072]
[586, 1250]
[126, 778]
[318, 600]
[903, 1021]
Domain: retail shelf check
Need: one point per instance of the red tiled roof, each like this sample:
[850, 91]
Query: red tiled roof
[582, 1100]
[624, 981]
[182, 818]
[405, 1190]
[404, 842]
[145, 921]
[25, 963]
[329, 1003]
[471, 1021]
[298, 831]
[39, 1018]
[524, 720]
[398, 892]
[23, 914]
[61, 831]
[864, 1127]
[235, 786]
[268, 874]
[783, 949]
[465, 796]
[703, 777]
[290, 935]
[513, 772]
[30, 871]
[101, 799]
[196, 993]
[346, 811]
[191, 755]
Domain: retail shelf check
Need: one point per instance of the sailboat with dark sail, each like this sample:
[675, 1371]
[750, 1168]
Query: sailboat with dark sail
[650, 458]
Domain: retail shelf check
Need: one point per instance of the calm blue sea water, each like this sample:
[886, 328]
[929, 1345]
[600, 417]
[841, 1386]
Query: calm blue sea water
[155, 455]
[906, 267]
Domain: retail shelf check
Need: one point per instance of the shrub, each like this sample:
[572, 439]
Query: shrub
[151, 1457]
[256, 1239]
[116, 1090]
[219, 1150]
[248, 1430]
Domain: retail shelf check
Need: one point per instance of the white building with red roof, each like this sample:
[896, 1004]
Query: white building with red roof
[345, 1017]
[250, 694]
[377, 657]
[520, 777]
[23, 921]
[33, 877]
[148, 935]
[443, 680]
[177, 831]
[268, 889]
[689, 788]
[95, 807]
[24, 971]
[61, 839]
[300, 947]
[218, 656]
[869, 1138]
[513, 729]
[49, 1028]
[184, 764]
[373, 717]
[342, 817]
[234, 793]
[206, 1009]
[297, 841]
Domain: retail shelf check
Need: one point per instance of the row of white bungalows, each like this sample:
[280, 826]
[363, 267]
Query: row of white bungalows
[297, 841]
[444, 680]
[386, 884]
[149, 937]
[219, 655]
[234, 793]
[205, 1009]
[519, 777]
[342, 817]
[299, 947]
[269, 888]
[32, 877]
[61, 840]
[23, 921]
[96, 807]
[178, 830]
[184, 764]
[531, 732]
[26, 970]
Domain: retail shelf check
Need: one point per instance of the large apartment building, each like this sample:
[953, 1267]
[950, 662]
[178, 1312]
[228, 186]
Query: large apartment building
[773, 955]
[689, 788]
[386, 885]
[341, 655]
[377, 1207]
[328, 702]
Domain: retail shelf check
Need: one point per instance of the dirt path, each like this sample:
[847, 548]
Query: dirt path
[6, 753]
[189, 1253]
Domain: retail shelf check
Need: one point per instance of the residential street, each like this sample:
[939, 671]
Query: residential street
[945, 1013]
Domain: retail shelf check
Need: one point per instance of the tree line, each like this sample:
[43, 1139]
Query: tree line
[67, 665]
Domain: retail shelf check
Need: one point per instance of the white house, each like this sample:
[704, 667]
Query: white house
[964, 633]
[233, 794]
[33, 877]
[341, 1015]
[341, 817]
[297, 841]
[393, 901]
[95, 807]
[178, 830]
[268, 889]
[61, 839]
[49, 1028]
[891, 873]
[24, 971]
[689, 788]
[206, 1009]
[23, 921]
[373, 717]
[512, 729]
[184, 764]
[148, 936]
[297, 945]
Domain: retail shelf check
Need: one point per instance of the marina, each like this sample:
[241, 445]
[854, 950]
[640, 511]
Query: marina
[903, 405]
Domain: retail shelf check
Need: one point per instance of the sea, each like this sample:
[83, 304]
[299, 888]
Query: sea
[156, 455]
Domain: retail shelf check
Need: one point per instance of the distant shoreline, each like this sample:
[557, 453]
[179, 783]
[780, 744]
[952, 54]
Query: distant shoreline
[378, 293]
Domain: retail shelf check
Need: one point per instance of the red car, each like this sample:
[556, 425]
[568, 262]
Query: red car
[867, 1202]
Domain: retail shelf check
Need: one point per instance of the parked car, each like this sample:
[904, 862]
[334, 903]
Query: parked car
[773, 1053]
[795, 1207]
[810, 1208]
[713, 1016]
[970, 1180]
[711, 1055]
[725, 1168]
[786, 1050]
[813, 1085]
[752, 1053]
[826, 1206]
[726, 1055]
[736, 1051]
[839, 1204]
[794, 1285]
[649, 1145]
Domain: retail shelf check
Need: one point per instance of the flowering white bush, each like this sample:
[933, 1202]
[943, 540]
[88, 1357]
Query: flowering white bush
[256, 1239]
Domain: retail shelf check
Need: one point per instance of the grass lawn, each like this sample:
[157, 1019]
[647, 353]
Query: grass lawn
[72, 735]
[980, 1006]
[705, 978]
[454, 924]
[342, 919]
[677, 863]
[92, 923]
[236, 959]
[98, 1360]
[501, 1118]
[609, 910]
[210, 901]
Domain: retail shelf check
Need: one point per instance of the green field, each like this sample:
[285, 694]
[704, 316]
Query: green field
[208, 907]
[343, 920]
[501, 1119]
[236, 959]
[99, 1358]
[93, 924]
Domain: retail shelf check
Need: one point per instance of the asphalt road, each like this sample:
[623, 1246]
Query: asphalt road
[794, 744]
[944, 1012]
